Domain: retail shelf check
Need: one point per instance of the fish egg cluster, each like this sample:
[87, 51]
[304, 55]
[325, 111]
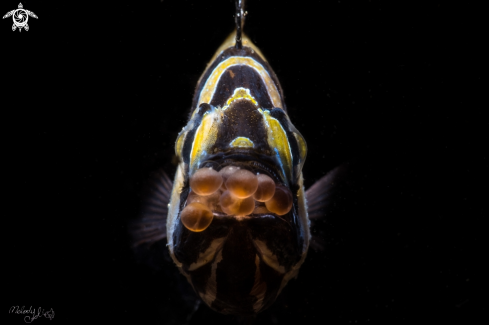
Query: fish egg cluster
[234, 191]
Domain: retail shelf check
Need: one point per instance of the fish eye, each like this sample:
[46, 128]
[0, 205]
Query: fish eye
[296, 140]
[280, 115]
[277, 113]
[204, 107]
[291, 145]
[196, 137]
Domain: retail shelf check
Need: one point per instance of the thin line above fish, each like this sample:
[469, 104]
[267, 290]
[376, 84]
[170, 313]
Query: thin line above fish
[235, 217]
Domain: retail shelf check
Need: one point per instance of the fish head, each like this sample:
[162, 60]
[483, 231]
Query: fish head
[240, 253]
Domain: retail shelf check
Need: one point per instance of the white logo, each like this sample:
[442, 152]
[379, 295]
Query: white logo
[20, 17]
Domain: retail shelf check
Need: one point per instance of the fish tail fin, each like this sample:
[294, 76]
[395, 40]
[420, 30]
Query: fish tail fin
[320, 197]
[150, 226]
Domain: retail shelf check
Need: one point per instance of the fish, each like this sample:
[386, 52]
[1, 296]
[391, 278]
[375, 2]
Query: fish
[236, 217]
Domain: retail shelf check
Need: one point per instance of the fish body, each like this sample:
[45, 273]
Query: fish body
[237, 247]
[239, 265]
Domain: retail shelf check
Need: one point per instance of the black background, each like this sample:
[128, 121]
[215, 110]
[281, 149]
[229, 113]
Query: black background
[94, 95]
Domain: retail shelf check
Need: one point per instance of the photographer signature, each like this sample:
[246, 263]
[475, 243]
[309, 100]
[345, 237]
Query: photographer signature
[33, 312]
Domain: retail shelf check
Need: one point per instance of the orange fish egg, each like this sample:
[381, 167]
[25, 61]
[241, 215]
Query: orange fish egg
[242, 183]
[266, 188]
[211, 201]
[196, 217]
[225, 173]
[232, 205]
[281, 202]
[205, 181]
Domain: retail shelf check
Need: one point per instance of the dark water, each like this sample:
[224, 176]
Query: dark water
[97, 93]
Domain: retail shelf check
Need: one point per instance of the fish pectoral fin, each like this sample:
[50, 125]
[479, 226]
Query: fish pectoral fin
[150, 226]
[319, 195]
[317, 243]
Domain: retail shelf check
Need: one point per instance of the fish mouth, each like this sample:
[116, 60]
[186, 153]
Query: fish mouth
[245, 158]
[266, 215]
